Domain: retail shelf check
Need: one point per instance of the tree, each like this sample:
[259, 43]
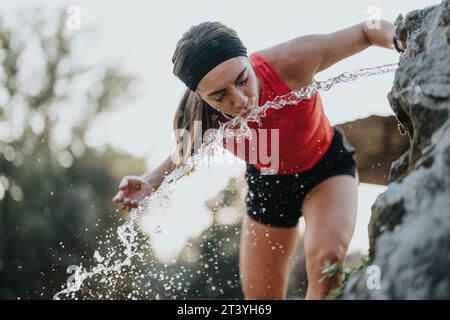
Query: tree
[55, 195]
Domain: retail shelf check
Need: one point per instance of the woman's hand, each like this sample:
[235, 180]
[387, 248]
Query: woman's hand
[132, 189]
[401, 44]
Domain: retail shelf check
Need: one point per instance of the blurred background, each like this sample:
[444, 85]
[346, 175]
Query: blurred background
[87, 95]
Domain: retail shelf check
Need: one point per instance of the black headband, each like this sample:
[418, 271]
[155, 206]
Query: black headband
[208, 55]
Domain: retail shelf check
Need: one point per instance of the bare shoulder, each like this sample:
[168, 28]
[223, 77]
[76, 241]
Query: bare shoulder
[290, 63]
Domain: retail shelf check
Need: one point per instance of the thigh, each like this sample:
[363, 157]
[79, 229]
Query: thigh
[330, 211]
[265, 255]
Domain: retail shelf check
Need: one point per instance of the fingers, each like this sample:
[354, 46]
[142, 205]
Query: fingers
[121, 197]
[129, 204]
[123, 183]
[118, 197]
[124, 202]
[131, 181]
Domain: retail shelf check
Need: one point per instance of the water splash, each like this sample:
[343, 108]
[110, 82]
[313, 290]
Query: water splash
[128, 237]
[128, 234]
[295, 96]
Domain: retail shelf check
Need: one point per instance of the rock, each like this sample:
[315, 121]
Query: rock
[409, 230]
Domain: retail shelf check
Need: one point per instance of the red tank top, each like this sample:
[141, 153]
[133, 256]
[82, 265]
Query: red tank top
[304, 132]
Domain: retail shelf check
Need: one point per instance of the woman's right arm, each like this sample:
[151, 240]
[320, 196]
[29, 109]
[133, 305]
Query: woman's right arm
[132, 189]
[157, 175]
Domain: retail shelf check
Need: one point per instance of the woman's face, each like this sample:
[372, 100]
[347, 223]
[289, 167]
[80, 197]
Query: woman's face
[231, 87]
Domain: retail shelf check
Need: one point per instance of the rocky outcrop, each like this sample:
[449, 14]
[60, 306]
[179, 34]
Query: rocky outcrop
[409, 229]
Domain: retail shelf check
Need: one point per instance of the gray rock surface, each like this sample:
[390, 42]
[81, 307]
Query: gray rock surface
[409, 229]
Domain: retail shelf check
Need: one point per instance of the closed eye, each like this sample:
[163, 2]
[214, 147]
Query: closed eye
[241, 83]
[221, 98]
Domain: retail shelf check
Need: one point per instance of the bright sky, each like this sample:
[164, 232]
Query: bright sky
[141, 37]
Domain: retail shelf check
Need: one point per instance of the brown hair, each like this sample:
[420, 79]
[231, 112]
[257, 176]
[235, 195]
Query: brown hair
[192, 107]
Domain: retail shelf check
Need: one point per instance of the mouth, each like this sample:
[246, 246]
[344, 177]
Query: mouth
[244, 111]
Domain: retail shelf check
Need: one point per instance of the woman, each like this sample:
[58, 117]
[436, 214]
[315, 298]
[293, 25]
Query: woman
[315, 175]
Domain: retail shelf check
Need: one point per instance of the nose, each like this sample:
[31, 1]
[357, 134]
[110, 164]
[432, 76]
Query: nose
[240, 99]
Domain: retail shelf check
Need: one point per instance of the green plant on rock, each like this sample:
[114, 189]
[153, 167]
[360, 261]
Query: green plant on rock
[332, 270]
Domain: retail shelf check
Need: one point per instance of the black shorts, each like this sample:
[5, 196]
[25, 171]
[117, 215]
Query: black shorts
[276, 200]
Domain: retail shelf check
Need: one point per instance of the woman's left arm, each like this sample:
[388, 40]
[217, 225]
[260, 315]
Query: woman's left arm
[344, 43]
[305, 56]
